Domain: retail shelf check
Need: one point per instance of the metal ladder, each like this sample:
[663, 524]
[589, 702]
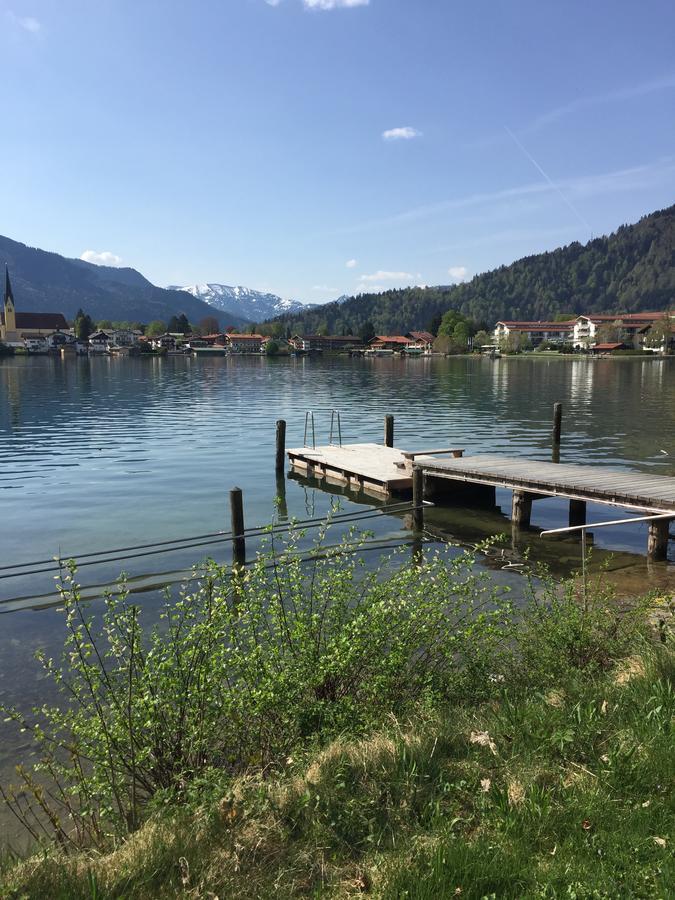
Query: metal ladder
[335, 428]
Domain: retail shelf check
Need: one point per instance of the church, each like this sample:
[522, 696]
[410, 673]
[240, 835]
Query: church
[17, 327]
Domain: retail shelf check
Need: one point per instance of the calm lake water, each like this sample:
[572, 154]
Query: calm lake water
[106, 453]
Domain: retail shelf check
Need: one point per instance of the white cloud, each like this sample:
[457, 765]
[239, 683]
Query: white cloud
[28, 23]
[387, 276]
[458, 273]
[272, 2]
[104, 258]
[401, 134]
[324, 289]
[334, 4]
[351, 263]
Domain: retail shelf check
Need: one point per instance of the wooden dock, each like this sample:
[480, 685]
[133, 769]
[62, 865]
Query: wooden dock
[369, 467]
[382, 470]
[579, 484]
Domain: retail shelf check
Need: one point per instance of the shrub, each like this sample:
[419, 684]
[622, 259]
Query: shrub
[242, 668]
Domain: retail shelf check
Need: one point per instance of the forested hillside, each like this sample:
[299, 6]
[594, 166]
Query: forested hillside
[47, 282]
[628, 271]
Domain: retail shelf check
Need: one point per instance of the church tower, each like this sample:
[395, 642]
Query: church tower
[9, 328]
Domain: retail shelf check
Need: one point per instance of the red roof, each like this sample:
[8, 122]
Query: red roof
[391, 339]
[422, 336]
[607, 346]
[625, 317]
[40, 321]
[531, 326]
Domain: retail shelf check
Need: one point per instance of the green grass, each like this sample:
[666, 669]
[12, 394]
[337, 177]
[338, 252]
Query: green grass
[563, 792]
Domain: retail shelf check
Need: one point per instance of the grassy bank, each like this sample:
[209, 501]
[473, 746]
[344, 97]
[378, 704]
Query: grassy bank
[404, 733]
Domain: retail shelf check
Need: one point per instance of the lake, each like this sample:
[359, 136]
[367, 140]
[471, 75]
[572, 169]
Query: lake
[107, 453]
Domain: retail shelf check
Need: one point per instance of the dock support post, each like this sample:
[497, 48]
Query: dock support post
[237, 520]
[577, 514]
[557, 427]
[388, 431]
[657, 540]
[418, 498]
[521, 509]
[281, 447]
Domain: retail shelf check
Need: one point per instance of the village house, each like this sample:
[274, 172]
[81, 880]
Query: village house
[244, 343]
[17, 327]
[318, 343]
[99, 342]
[390, 342]
[534, 333]
[422, 340]
[633, 328]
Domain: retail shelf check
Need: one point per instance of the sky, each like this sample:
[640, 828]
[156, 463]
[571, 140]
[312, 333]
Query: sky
[315, 148]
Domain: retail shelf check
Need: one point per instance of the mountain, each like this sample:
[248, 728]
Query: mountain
[47, 282]
[630, 270]
[254, 306]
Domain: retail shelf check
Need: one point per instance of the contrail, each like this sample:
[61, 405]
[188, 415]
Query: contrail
[549, 180]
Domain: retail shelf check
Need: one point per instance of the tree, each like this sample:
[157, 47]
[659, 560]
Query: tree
[367, 332]
[272, 348]
[209, 325]
[513, 342]
[660, 333]
[435, 324]
[104, 325]
[610, 333]
[83, 325]
[481, 339]
[154, 329]
[178, 324]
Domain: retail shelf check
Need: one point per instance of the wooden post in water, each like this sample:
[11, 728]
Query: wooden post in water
[557, 427]
[280, 459]
[657, 539]
[418, 498]
[237, 524]
[388, 431]
[521, 509]
[577, 514]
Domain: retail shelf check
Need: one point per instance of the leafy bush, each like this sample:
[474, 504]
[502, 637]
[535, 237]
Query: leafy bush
[241, 669]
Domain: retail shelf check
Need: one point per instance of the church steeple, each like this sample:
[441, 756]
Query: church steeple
[10, 314]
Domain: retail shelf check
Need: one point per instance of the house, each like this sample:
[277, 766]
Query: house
[36, 344]
[125, 337]
[99, 342]
[608, 347]
[424, 340]
[390, 342]
[17, 327]
[318, 343]
[533, 333]
[244, 343]
[166, 341]
[630, 327]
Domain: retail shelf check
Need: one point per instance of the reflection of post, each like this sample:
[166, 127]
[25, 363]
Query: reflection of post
[657, 539]
[577, 513]
[557, 427]
[418, 498]
[521, 509]
[282, 506]
[237, 525]
[417, 544]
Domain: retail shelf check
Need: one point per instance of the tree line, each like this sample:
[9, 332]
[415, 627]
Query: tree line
[630, 270]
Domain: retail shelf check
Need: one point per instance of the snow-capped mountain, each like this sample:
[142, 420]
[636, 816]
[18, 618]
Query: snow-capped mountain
[255, 306]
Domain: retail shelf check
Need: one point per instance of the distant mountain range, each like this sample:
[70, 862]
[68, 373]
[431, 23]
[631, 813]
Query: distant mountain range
[253, 306]
[631, 270]
[47, 282]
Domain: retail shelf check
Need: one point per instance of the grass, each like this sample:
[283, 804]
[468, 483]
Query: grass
[563, 792]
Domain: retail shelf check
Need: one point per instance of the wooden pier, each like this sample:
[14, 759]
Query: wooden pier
[369, 467]
[473, 480]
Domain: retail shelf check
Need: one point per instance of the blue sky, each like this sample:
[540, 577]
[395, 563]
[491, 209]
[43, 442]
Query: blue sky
[320, 147]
